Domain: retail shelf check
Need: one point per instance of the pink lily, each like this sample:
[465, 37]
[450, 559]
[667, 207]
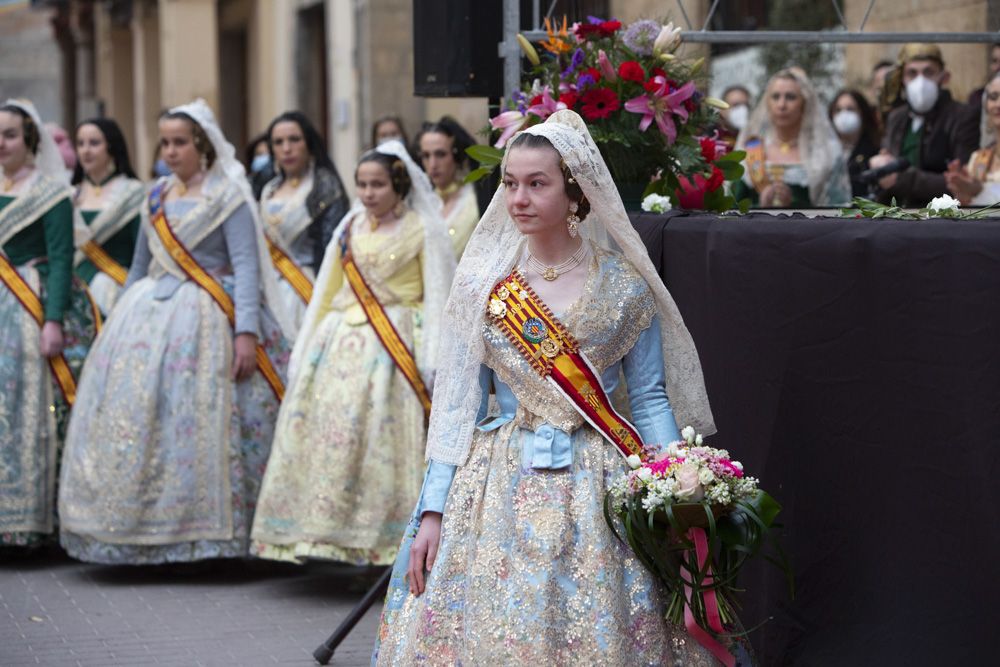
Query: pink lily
[661, 106]
[510, 122]
[607, 69]
[547, 107]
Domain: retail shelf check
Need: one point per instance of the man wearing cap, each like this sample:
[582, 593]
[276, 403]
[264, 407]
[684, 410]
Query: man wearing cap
[929, 131]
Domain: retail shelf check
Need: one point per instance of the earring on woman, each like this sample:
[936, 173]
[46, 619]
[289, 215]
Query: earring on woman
[573, 220]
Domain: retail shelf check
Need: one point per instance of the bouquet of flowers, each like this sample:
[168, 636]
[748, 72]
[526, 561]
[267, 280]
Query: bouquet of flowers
[693, 518]
[944, 206]
[640, 102]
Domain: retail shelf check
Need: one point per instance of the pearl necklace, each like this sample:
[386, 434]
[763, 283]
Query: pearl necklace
[550, 273]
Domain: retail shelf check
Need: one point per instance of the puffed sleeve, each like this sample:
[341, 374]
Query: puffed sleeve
[58, 224]
[647, 389]
[140, 259]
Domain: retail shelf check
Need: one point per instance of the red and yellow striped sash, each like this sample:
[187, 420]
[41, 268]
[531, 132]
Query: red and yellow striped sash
[552, 351]
[190, 266]
[291, 272]
[22, 290]
[104, 262]
[382, 325]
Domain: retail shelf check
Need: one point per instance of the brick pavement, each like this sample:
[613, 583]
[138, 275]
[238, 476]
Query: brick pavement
[56, 611]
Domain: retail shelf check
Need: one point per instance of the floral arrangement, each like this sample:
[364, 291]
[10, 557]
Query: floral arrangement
[693, 518]
[641, 104]
[944, 206]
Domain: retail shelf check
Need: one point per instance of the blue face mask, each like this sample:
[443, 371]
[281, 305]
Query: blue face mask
[161, 168]
[260, 162]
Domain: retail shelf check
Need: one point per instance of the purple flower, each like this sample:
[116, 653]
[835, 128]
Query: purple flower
[585, 80]
[641, 35]
[574, 63]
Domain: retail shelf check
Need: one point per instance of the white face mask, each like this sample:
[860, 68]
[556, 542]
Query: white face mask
[847, 121]
[922, 94]
[738, 116]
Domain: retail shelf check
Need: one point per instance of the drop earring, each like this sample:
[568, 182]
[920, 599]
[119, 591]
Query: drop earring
[573, 220]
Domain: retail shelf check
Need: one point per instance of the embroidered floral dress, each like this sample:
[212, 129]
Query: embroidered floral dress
[165, 452]
[347, 459]
[462, 218]
[36, 236]
[528, 572]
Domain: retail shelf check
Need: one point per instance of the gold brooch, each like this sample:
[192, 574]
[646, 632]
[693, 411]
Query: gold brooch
[550, 348]
[503, 293]
[498, 308]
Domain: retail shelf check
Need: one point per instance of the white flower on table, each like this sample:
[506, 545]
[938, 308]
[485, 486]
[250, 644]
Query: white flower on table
[944, 203]
[655, 203]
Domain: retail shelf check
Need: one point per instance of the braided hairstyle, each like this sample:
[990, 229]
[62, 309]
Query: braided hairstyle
[201, 141]
[398, 175]
[573, 189]
[30, 131]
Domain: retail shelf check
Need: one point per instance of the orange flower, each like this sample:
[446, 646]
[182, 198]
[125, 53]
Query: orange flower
[556, 43]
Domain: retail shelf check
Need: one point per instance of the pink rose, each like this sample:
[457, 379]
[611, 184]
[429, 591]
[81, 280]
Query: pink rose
[688, 485]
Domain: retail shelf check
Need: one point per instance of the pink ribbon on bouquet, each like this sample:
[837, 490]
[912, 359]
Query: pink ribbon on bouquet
[697, 535]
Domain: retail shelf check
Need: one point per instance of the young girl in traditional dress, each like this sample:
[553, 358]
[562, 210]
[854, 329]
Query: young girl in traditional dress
[46, 323]
[109, 196]
[508, 559]
[177, 402]
[346, 464]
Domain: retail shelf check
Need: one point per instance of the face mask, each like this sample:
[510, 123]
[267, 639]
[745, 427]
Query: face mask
[161, 168]
[847, 121]
[739, 114]
[260, 162]
[922, 93]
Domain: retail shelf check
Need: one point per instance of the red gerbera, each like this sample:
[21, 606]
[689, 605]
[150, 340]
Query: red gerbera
[657, 72]
[537, 99]
[716, 180]
[585, 31]
[599, 103]
[608, 28]
[569, 99]
[707, 148]
[630, 70]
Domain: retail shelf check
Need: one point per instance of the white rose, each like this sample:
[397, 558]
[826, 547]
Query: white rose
[633, 461]
[688, 434]
[698, 440]
[688, 485]
[944, 203]
[645, 474]
[656, 203]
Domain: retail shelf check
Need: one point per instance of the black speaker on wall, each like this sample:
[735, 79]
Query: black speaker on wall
[455, 48]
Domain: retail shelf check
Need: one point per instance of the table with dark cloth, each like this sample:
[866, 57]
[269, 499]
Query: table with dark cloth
[854, 367]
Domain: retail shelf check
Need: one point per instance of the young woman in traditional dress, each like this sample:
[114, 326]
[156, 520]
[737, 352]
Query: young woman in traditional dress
[441, 147]
[46, 323]
[109, 196]
[510, 525]
[794, 157]
[978, 182]
[346, 463]
[178, 400]
[300, 207]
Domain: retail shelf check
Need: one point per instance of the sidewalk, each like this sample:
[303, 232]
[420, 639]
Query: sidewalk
[56, 611]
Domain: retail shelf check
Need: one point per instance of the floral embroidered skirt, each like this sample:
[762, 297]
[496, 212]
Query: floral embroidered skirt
[165, 453]
[348, 455]
[528, 572]
[33, 412]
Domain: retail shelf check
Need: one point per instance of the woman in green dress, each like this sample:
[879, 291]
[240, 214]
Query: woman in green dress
[46, 324]
[109, 196]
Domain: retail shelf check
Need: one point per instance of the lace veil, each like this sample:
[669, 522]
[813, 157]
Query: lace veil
[437, 266]
[819, 147]
[492, 252]
[231, 170]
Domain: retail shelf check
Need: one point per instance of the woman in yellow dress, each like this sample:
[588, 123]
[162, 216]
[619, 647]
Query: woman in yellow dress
[346, 463]
[441, 147]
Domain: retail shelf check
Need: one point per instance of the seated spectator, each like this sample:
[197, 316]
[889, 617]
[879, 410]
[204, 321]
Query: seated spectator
[929, 131]
[976, 97]
[736, 116]
[794, 158]
[978, 182]
[854, 120]
[386, 128]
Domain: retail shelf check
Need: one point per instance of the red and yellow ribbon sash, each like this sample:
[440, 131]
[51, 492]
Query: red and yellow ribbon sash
[104, 262]
[382, 325]
[22, 290]
[203, 279]
[291, 272]
[757, 163]
[553, 352]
